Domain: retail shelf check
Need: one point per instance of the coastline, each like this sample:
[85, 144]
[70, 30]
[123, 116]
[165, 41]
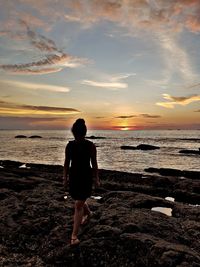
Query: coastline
[124, 230]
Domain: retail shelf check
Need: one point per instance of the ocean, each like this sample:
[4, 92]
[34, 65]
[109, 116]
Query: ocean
[50, 148]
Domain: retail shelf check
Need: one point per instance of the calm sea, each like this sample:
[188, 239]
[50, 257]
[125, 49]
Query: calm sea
[50, 148]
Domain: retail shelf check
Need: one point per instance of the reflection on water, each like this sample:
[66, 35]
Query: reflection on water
[167, 211]
[172, 199]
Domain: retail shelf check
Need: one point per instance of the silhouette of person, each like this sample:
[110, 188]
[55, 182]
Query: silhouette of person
[80, 172]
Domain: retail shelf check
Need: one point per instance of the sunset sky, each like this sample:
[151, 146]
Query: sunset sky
[126, 64]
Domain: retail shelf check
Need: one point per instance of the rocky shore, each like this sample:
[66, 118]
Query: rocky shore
[36, 219]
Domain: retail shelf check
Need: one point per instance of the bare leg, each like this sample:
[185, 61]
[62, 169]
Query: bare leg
[78, 215]
[86, 214]
[86, 208]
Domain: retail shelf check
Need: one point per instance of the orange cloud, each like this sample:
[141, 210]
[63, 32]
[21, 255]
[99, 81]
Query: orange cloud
[178, 100]
[12, 122]
[133, 14]
[35, 86]
[11, 109]
[138, 13]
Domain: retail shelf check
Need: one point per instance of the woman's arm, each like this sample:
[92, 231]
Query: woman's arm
[95, 165]
[66, 167]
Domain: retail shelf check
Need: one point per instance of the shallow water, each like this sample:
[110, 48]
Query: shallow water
[172, 199]
[50, 148]
[166, 211]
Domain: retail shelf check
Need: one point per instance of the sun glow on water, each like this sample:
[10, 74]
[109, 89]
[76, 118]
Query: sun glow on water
[124, 128]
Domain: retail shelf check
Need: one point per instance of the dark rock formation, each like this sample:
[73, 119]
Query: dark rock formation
[187, 151]
[35, 136]
[36, 221]
[10, 163]
[175, 172]
[95, 137]
[20, 136]
[140, 147]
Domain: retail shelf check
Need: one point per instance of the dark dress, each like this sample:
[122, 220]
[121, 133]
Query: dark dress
[80, 172]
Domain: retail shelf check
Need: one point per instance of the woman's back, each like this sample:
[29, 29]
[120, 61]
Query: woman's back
[79, 152]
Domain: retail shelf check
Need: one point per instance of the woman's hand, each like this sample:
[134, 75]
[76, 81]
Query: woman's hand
[65, 182]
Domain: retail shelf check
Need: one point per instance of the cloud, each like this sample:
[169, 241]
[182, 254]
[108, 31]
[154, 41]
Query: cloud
[33, 71]
[144, 115]
[121, 76]
[15, 109]
[125, 117]
[112, 81]
[159, 15]
[36, 86]
[53, 59]
[176, 58]
[108, 85]
[150, 116]
[193, 86]
[180, 100]
[57, 63]
[12, 122]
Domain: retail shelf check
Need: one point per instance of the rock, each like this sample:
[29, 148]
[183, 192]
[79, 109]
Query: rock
[95, 137]
[165, 171]
[20, 136]
[36, 220]
[35, 136]
[141, 147]
[187, 151]
[147, 147]
[175, 172]
[10, 163]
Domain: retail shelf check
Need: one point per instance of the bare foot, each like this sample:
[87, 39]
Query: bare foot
[74, 241]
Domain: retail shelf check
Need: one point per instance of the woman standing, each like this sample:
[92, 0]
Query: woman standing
[80, 171]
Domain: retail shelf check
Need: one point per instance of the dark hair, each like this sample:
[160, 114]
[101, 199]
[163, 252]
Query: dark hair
[79, 128]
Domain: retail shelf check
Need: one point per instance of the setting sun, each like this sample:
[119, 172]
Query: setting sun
[124, 128]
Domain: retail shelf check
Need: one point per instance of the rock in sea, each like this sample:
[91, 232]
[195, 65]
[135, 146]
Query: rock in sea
[140, 147]
[187, 151]
[20, 136]
[95, 137]
[35, 136]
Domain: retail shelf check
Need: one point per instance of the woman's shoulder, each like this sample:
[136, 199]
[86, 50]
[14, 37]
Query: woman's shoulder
[90, 143]
[70, 143]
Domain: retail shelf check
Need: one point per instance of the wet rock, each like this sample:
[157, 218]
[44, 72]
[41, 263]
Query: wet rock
[147, 147]
[175, 172]
[36, 220]
[140, 147]
[35, 136]
[95, 137]
[10, 163]
[187, 151]
[20, 136]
